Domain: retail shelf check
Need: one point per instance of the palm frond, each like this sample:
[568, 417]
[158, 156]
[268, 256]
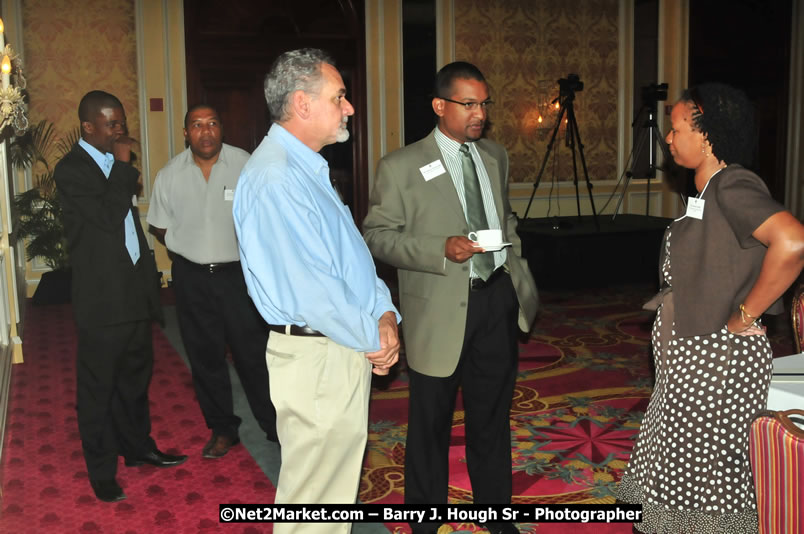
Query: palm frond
[35, 146]
[44, 181]
[65, 144]
[37, 212]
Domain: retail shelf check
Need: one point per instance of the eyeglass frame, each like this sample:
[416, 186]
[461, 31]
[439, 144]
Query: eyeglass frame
[470, 106]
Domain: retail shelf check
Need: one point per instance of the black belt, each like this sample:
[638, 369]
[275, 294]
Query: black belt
[210, 268]
[478, 284]
[293, 330]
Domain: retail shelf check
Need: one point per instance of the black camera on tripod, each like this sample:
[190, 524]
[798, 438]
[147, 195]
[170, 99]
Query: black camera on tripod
[653, 94]
[572, 83]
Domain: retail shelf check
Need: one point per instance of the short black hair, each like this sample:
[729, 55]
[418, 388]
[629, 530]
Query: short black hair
[458, 70]
[196, 107]
[725, 116]
[93, 102]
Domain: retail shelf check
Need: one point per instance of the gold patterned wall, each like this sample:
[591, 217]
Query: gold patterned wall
[74, 47]
[523, 47]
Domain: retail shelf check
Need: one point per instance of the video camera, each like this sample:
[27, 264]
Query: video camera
[570, 84]
[654, 93]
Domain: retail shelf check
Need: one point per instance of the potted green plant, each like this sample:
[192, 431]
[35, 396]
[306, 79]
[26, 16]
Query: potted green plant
[37, 212]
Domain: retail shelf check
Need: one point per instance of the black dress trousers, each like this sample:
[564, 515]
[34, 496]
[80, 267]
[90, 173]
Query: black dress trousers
[214, 310]
[486, 373]
[114, 367]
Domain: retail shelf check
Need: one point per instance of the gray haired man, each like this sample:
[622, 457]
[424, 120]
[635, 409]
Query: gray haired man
[312, 278]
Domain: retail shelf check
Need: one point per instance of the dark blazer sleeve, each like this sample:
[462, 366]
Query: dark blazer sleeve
[107, 287]
[97, 201]
[715, 261]
[746, 203]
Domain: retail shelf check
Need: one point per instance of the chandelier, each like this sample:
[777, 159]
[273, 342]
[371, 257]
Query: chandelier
[13, 109]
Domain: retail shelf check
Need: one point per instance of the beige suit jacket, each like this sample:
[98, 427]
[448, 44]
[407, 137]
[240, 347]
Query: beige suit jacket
[408, 222]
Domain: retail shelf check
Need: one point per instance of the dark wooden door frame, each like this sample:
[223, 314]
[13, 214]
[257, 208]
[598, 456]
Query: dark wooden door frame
[269, 28]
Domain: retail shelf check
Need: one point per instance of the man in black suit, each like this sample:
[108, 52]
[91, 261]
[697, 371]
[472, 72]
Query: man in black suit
[115, 296]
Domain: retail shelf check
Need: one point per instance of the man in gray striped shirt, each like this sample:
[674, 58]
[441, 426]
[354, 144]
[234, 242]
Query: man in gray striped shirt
[461, 303]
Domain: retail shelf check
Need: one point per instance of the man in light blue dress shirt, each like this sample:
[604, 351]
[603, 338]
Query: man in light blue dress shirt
[313, 280]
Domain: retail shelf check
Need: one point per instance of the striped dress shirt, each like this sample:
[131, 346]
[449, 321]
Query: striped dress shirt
[450, 151]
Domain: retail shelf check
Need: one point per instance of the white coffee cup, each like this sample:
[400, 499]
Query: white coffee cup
[486, 238]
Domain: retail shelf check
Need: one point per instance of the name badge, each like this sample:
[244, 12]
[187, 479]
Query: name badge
[431, 170]
[695, 208]
[228, 194]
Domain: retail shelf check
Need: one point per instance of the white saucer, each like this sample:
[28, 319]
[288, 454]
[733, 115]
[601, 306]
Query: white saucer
[493, 248]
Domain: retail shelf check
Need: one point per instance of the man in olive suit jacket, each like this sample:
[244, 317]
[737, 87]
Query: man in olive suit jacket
[459, 320]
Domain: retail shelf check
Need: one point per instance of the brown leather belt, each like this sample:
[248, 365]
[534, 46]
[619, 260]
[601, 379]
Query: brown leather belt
[293, 330]
[478, 284]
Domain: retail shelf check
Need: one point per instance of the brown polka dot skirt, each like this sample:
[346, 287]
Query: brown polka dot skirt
[689, 468]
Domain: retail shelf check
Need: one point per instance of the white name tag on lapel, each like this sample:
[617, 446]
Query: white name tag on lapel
[228, 194]
[134, 200]
[695, 208]
[431, 170]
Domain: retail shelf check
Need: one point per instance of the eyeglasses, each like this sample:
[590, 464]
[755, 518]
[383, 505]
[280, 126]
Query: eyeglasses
[470, 106]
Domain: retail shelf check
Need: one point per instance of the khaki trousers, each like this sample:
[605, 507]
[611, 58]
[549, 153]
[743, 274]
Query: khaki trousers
[320, 390]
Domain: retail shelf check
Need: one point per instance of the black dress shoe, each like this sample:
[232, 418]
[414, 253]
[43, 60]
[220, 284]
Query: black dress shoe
[156, 458]
[218, 445]
[107, 490]
[501, 528]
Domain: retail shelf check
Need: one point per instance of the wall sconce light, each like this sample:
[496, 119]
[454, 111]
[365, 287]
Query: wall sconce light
[13, 109]
[540, 117]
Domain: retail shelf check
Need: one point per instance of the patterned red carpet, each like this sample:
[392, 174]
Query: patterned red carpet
[583, 385]
[45, 486]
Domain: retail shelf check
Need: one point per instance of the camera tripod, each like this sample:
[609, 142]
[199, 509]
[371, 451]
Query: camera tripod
[566, 99]
[648, 135]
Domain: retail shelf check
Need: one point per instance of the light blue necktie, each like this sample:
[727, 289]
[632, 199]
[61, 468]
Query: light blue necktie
[132, 241]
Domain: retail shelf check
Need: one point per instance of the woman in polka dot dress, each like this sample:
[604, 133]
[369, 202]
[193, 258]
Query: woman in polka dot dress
[724, 263]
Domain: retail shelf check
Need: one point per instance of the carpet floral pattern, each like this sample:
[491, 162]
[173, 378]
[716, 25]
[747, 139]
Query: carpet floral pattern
[584, 380]
[45, 485]
[583, 384]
